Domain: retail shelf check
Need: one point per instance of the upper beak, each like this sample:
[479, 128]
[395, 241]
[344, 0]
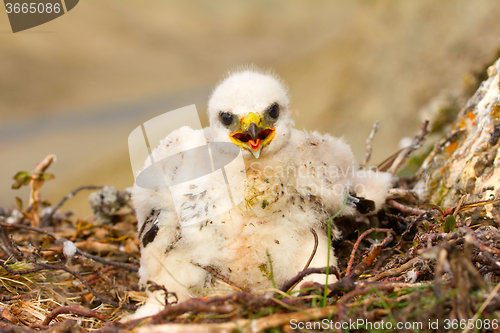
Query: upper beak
[252, 135]
[253, 130]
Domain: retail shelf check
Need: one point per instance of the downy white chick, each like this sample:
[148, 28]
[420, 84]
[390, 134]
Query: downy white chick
[291, 181]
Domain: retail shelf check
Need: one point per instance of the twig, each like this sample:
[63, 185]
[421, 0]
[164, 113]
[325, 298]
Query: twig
[406, 209]
[26, 227]
[416, 143]
[358, 292]
[467, 206]
[358, 241]
[457, 209]
[49, 216]
[68, 325]
[394, 271]
[193, 305]
[462, 231]
[214, 272]
[358, 270]
[313, 253]
[245, 325]
[478, 243]
[369, 144]
[219, 304]
[364, 290]
[36, 184]
[5, 328]
[278, 320]
[483, 306]
[20, 271]
[108, 262]
[290, 284]
[383, 257]
[315, 248]
[62, 240]
[400, 193]
[74, 310]
[153, 286]
[7, 298]
[438, 271]
[5, 245]
[346, 284]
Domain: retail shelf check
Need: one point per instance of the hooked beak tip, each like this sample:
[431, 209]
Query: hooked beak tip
[255, 153]
[253, 130]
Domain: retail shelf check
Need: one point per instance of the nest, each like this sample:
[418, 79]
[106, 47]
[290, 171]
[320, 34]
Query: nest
[404, 266]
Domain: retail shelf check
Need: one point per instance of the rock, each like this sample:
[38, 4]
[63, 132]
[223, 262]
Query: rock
[107, 202]
[467, 160]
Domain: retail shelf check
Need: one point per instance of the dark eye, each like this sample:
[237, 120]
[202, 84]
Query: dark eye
[226, 118]
[274, 111]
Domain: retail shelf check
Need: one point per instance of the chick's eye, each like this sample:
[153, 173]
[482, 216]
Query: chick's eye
[226, 118]
[274, 111]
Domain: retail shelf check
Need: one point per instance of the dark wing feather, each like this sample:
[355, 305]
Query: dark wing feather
[362, 205]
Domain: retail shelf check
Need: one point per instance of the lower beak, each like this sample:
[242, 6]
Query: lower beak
[253, 139]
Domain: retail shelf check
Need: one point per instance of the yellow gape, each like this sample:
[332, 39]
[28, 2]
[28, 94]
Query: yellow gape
[252, 135]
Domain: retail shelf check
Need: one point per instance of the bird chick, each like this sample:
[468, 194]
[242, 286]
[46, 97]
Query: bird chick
[290, 184]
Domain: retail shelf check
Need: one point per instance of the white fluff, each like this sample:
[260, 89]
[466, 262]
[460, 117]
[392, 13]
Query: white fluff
[14, 217]
[405, 142]
[411, 276]
[69, 249]
[298, 182]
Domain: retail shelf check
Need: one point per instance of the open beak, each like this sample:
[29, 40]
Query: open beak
[252, 135]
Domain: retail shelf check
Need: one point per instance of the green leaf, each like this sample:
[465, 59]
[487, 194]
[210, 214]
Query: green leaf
[46, 203]
[16, 185]
[450, 224]
[22, 175]
[19, 202]
[46, 176]
[21, 178]
[426, 226]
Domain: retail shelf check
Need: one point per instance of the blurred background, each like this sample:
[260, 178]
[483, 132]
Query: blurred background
[78, 85]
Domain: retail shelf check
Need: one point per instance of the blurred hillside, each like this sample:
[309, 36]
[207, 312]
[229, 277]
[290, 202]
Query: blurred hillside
[78, 85]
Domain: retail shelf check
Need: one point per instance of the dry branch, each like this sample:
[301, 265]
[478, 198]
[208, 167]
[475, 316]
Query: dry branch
[416, 143]
[74, 310]
[369, 144]
[394, 271]
[406, 209]
[290, 284]
[49, 216]
[358, 241]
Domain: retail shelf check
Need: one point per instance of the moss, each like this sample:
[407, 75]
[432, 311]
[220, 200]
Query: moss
[495, 111]
[265, 203]
[440, 192]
